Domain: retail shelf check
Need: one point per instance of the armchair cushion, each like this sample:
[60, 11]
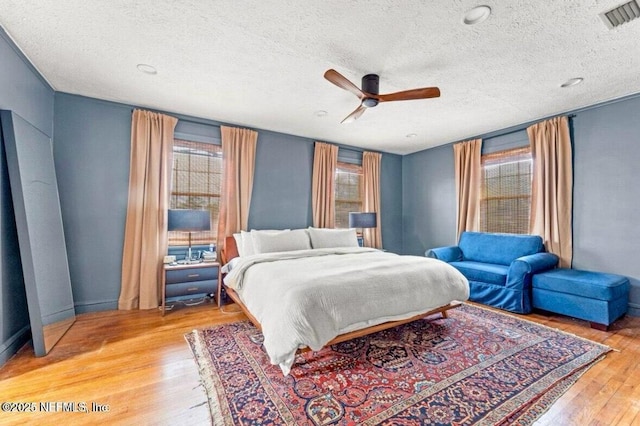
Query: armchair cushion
[484, 272]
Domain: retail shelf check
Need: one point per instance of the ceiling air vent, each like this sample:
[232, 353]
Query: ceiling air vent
[621, 14]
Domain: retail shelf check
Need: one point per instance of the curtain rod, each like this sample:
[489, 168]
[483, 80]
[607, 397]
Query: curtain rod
[206, 121]
[514, 129]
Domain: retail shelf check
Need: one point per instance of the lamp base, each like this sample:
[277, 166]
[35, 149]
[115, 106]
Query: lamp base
[188, 262]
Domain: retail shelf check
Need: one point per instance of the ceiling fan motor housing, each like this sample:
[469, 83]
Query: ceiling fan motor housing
[370, 84]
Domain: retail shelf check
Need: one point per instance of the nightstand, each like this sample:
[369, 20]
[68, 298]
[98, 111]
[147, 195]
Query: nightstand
[182, 283]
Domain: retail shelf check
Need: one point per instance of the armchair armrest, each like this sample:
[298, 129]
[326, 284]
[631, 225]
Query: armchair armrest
[521, 269]
[447, 254]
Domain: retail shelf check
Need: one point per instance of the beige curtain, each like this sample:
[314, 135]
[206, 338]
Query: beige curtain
[145, 235]
[325, 161]
[552, 187]
[468, 170]
[371, 196]
[238, 156]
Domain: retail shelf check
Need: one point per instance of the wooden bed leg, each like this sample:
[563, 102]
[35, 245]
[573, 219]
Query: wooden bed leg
[444, 315]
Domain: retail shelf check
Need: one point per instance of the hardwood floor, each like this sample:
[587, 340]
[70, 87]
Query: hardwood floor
[138, 365]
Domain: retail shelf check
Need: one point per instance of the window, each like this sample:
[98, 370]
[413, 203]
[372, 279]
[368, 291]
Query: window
[196, 184]
[505, 198]
[348, 192]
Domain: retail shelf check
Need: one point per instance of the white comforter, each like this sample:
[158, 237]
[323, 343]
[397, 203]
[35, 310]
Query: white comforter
[308, 297]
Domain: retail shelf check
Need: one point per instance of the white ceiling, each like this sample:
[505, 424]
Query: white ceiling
[260, 63]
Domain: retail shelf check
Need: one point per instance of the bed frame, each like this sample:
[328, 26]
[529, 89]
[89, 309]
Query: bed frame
[230, 251]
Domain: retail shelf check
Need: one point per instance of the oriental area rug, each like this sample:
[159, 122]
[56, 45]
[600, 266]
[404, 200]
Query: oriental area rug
[475, 367]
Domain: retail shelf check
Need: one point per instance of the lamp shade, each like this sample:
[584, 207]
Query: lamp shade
[362, 220]
[189, 220]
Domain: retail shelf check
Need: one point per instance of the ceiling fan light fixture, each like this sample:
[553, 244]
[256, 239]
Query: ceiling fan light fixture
[477, 15]
[369, 102]
[572, 82]
[147, 69]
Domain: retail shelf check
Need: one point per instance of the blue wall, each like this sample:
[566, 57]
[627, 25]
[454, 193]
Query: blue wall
[281, 195]
[606, 196]
[23, 91]
[91, 151]
[391, 202]
[428, 197]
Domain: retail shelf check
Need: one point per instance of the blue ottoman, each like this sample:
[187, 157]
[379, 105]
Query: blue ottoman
[592, 296]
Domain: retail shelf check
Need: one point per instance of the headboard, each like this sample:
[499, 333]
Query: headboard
[229, 251]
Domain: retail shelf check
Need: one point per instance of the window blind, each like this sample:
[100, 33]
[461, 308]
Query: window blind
[196, 184]
[505, 199]
[348, 192]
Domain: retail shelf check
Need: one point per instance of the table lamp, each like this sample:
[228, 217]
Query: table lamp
[362, 220]
[189, 221]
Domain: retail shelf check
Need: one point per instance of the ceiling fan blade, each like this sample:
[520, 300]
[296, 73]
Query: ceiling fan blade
[407, 95]
[354, 115]
[341, 81]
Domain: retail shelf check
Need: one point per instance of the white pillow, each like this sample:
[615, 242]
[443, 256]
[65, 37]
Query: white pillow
[239, 245]
[331, 238]
[298, 239]
[248, 245]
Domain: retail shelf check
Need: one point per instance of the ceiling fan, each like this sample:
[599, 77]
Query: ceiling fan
[369, 96]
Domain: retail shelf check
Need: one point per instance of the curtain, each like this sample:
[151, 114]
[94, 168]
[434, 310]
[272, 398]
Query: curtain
[371, 196]
[468, 175]
[145, 235]
[325, 161]
[552, 186]
[238, 157]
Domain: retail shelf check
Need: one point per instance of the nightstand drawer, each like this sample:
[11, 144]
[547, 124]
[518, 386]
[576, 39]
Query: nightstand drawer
[189, 284]
[191, 274]
[193, 287]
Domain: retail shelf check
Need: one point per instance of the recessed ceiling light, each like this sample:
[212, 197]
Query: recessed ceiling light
[572, 82]
[411, 135]
[147, 69]
[477, 15]
[320, 113]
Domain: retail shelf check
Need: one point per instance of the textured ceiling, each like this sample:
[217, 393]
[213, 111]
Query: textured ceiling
[260, 63]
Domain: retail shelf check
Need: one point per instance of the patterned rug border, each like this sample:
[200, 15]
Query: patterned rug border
[524, 416]
[208, 374]
[520, 318]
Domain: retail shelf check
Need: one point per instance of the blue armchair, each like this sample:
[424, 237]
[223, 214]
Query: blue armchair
[499, 267]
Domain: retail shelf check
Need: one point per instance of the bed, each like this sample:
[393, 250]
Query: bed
[306, 296]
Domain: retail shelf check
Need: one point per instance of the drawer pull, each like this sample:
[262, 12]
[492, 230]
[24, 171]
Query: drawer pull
[193, 275]
[192, 289]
